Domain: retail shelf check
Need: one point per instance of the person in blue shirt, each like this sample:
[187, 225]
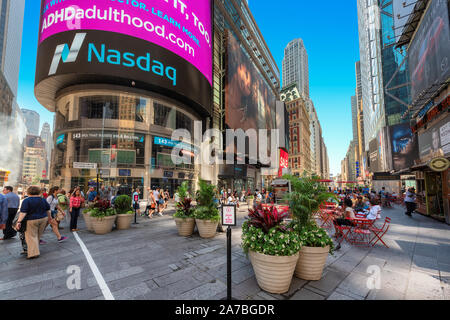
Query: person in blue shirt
[3, 211]
[13, 206]
[91, 195]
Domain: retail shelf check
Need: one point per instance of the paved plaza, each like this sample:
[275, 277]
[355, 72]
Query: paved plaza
[150, 261]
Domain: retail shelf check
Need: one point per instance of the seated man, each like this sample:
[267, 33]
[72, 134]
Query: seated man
[375, 210]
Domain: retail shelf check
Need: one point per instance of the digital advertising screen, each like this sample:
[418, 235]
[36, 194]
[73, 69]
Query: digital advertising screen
[429, 52]
[404, 146]
[164, 46]
[249, 102]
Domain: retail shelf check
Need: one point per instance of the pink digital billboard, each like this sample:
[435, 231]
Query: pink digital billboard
[180, 26]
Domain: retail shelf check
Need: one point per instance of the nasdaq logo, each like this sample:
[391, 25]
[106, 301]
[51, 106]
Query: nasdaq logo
[66, 54]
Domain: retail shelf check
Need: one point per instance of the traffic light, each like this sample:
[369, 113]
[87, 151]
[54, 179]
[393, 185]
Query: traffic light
[7, 175]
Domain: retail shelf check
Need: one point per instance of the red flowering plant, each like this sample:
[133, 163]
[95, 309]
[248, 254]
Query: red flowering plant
[266, 232]
[102, 208]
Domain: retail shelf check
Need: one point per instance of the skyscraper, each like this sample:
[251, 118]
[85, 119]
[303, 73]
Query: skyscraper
[295, 66]
[32, 120]
[354, 104]
[371, 68]
[11, 25]
[46, 137]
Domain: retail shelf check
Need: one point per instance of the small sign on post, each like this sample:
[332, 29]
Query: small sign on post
[229, 219]
[229, 215]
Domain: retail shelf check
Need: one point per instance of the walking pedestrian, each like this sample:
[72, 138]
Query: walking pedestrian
[76, 202]
[13, 206]
[35, 215]
[3, 212]
[63, 203]
[151, 204]
[410, 201]
[52, 200]
[156, 195]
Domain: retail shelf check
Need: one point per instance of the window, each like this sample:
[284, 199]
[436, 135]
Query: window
[164, 116]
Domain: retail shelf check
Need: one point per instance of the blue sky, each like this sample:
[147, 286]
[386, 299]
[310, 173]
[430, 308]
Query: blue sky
[329, 30]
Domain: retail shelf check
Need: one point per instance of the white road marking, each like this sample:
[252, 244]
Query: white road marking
[98, 276]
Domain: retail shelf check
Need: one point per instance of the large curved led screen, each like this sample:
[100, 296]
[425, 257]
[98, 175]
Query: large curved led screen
[165, 43]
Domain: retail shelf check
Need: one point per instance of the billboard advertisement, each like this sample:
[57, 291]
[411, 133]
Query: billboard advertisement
[249, 101]
[404, 146]
[164, 46]
[373, 155]
[435, 142]
[429, 52]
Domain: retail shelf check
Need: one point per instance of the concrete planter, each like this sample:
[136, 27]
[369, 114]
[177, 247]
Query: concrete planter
[124, 221]
[206, 228]
[185, 226]
[87, 220]
[311, 262]
[273, 273]
[103, 225]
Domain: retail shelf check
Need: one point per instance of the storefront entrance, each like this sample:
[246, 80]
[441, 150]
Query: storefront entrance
[434, 194]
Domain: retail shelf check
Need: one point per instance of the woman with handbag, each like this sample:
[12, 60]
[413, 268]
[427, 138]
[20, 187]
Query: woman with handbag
[56, 213]
[33, 218]
[76, 203]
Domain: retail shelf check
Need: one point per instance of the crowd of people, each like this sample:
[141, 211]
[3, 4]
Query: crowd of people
[39, 209]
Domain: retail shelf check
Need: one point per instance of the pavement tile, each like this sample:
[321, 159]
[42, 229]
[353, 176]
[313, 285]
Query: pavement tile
[329, 281]
[131, 292]
[247, 288]
[265, 296]
[339, 296]
[203, 292]
[305, 294]
[425, 264]
[296, 284]
[356, 284]
[424, 286]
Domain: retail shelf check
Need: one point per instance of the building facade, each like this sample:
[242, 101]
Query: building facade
[128, 121]
[299, 130]
[426, 38]
[46, 136]
[11, 26]
[369, 27]
[34, 160]
[32, 121]
[295, 66]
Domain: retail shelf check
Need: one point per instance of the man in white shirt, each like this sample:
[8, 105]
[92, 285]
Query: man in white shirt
[410, 201]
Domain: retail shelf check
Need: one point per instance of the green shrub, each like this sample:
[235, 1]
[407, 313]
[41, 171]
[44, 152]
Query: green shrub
[206, 208]
[122, 204]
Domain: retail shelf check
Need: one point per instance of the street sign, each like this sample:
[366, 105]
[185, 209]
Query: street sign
[228, 215]
[84, 165]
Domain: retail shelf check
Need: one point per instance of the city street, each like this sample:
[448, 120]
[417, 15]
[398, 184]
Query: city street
[150, 261]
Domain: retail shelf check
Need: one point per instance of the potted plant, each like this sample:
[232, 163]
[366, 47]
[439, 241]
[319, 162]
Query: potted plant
[184, 216]
[304, 200]
[122, 205]
[103, 217]
[272, 246]
[87, 218]
[206, 213]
